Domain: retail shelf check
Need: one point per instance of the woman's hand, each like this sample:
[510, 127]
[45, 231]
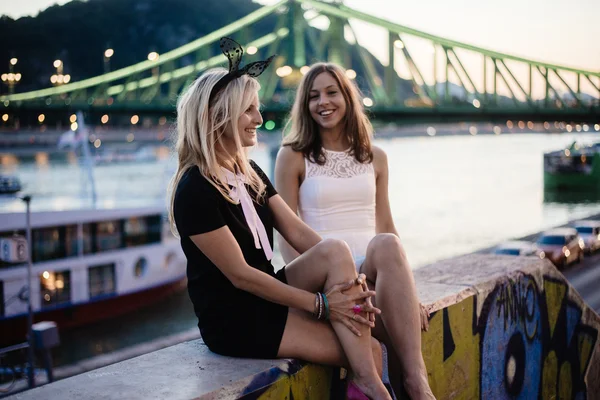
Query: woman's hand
[341, 305]
[362, 281]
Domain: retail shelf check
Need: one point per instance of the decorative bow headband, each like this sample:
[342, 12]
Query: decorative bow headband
[234, 52]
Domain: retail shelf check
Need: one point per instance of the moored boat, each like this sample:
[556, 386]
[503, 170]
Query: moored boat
[87, 265]
[576, 167]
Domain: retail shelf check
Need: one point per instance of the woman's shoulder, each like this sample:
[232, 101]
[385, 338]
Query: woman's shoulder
[192, 180]
[289, 157]
[380, 163]
[378, 154]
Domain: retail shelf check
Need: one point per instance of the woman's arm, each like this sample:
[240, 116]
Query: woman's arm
[291, 228]
[384, 223]
[288, 176]
[222, 249]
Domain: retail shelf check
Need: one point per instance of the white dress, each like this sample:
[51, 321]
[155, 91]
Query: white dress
[337, 200]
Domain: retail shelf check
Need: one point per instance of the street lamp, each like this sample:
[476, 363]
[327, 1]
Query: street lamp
[108, 53]
[58, 78]
[11, 78]
[30, 377]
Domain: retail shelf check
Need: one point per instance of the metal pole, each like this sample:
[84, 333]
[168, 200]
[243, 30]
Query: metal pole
[30, 354]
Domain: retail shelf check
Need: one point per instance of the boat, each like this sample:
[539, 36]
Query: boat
[575, 167]
[87, 265]
[90, 260]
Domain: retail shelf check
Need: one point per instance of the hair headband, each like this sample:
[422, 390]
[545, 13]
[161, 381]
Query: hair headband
[234, 52]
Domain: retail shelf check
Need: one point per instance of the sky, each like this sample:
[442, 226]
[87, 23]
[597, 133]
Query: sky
[555, 31]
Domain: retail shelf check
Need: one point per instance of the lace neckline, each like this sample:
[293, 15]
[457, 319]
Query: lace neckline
[336, 151]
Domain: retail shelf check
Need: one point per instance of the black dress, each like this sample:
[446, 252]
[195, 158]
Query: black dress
[232, 322]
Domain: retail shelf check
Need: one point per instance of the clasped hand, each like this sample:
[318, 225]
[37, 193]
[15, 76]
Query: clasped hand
[343, 305]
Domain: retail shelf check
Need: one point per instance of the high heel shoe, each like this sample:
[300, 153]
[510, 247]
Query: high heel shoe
[354, 393]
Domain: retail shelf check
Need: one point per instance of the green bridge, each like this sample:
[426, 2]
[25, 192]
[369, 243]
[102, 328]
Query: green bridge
[498, 87]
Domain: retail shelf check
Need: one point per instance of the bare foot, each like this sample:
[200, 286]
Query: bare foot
[373, 390]
[418, 388]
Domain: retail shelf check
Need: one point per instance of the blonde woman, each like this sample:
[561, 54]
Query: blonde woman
[224, 208]
[329, 173]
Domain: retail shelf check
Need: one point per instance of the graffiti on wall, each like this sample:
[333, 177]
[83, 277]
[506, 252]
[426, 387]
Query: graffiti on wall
[527, 341]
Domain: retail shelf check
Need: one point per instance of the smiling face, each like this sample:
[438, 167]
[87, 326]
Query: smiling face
[326, 103]
[246, 125]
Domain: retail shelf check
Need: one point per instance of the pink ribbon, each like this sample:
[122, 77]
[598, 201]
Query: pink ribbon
[239, 194]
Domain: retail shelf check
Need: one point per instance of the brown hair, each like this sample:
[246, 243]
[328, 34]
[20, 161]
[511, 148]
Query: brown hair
[303, 131]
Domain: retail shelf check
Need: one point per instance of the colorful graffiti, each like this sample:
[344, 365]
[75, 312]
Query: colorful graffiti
[527, 340]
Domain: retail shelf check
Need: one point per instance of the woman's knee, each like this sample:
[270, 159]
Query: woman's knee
[386, 249]
[335, 252]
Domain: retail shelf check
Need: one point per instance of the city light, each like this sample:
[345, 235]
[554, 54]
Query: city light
[153, 56]
[74, 126]
[5, 117]
[530, 124]
[350, 73]
[73, 118]
[41, 118]
[368, 102]
[304, 69]
[473, 130]
[13, 61]
[431, 131]
[521, 125]
[586, 127]
[57, 64]
[252, 50]
[269, 125]
[108, 53]
[497, 130]
[162, 121]
[597, 127]
[509, 124]
[104, 119]
[97, 143]
[476, 103]
[130, 137]
[284, 71]
[135, 119]
[398, 44]
[46, 275]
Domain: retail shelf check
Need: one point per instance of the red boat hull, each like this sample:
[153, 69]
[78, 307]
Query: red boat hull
[14, 330]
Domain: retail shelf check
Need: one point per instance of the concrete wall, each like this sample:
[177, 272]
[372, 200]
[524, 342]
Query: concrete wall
[501, 327]
[525, 334]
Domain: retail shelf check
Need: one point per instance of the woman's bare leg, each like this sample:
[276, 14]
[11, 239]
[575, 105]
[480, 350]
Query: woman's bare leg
[325, 265]
[387, 266]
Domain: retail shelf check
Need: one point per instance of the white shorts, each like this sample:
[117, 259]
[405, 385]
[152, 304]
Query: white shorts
[358, 262]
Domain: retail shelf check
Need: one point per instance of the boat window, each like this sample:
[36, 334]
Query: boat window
[552, 240]
[140, 268]
[11, 250]
[108, 236]
[101, 280]
[54, 242]
[55, 288]
[142, 230]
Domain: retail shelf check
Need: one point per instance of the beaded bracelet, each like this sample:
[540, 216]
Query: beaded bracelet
[326, 317]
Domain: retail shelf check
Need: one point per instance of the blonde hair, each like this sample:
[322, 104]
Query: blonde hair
[200, 129]
[303, 131]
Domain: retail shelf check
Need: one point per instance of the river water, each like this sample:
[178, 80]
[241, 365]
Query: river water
[449, 195]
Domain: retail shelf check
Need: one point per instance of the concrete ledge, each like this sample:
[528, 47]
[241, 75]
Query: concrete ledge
[189, 371]
[501, 327]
